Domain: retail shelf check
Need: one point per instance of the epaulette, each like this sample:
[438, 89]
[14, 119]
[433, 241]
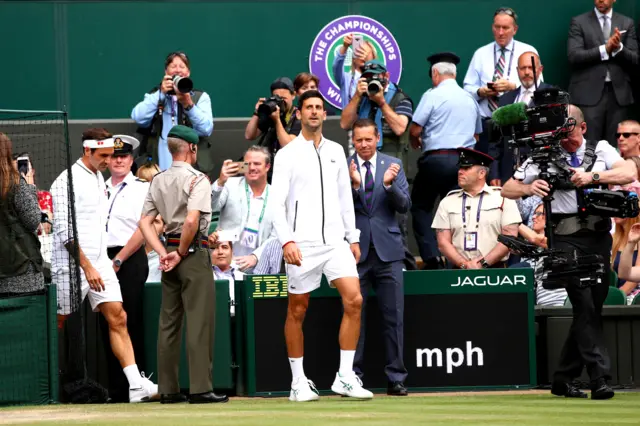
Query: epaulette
[141, 180]
[455, 191]
[496, 188]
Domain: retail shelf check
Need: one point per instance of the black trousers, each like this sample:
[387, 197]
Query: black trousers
[603, 118]
[132, 277]
[585, 343]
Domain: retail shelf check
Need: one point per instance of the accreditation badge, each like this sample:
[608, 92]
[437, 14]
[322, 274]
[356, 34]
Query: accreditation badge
[249, 238]
[470, 241]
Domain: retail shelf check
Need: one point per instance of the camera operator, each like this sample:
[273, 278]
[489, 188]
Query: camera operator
[586, 234]
[175, 102]
[274, 119]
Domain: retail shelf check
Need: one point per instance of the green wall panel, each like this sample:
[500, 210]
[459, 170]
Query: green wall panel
[99, 58]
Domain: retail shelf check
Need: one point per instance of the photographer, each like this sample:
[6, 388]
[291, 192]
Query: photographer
[588, 234]
[175, 102]
[274, 119]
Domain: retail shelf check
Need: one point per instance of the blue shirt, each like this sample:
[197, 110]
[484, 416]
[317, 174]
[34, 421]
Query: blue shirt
[200, 116]
[449, 117]
[348, 81]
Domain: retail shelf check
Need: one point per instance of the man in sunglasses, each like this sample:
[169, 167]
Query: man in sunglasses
[628, 137]
[595, 164]
[603, 52]
[379, 99]
[493, 68]
[166, 106]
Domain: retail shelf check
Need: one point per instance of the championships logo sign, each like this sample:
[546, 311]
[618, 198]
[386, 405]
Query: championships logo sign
[329, 40]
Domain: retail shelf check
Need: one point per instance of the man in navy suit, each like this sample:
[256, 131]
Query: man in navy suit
[503, 166]
[380, 190]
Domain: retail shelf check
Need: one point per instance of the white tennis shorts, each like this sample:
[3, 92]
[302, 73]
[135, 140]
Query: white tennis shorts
[333, 261]
[111, 292]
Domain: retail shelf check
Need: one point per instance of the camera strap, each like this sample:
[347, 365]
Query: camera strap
[588, 161]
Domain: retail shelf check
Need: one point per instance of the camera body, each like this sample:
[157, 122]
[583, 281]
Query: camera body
[270, 105]
[375, 84]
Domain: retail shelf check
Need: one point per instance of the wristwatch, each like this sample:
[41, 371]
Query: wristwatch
[189, 108]
[485, 264]
[182, 256]
[595, 176]
[117, 263]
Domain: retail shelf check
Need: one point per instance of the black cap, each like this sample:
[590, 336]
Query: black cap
[124, 144]
[444, 57]
[471, 157]
[282, 83]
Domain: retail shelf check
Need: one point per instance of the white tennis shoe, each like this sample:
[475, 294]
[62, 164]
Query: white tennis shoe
[350, 386]
[303, 390]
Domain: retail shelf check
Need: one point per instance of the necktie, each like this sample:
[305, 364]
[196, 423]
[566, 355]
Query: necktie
[606, 33]
[368, 186]
[497, 75]
[526, 96]
[574, 161]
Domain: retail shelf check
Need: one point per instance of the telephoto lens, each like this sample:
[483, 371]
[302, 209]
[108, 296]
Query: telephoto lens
[182, 84]
[373, 87]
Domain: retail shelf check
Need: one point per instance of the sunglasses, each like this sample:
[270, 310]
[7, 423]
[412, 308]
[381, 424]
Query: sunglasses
[626, 135]
[507, 11]
[538, 214]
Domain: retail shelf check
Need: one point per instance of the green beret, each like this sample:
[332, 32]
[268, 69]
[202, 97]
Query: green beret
[185, 133]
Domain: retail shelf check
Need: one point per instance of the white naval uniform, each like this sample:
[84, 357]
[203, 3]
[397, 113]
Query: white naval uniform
[313, 206]
[124, 209]
[90, 202]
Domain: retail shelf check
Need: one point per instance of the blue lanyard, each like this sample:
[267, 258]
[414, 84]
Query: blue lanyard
[495, 61]
[174, 109]
[464, 211]
[113, 202]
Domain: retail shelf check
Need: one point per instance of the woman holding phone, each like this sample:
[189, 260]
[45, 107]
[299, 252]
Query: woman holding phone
[22, 265]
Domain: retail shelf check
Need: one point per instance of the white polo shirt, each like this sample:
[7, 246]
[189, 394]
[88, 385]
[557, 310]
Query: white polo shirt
[124, 209]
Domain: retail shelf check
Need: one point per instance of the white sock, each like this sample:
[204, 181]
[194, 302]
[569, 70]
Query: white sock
[346, 362]
[297, 371]
[133, 376]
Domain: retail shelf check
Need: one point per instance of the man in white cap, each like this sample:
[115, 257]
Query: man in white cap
[97, 278]
[125, 248]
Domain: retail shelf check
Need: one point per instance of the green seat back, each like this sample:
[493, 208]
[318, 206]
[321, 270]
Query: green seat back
[615, 297]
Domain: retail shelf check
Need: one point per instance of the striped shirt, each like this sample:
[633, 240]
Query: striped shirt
[544, 297]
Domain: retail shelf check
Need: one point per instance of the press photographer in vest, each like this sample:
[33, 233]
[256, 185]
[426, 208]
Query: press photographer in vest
[174, 102]
[274, 119]
[125, 248]
[594, 164]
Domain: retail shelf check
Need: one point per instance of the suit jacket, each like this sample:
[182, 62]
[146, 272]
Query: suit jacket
[588, 68]
[231, 202]
[379, 226]
[502, 167]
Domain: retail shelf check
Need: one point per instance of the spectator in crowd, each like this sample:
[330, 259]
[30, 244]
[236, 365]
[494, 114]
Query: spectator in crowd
[469, 220]
[628, 137]
[243, 203]
[348, 80]
[627, 268]
[493, 68]
[603, 54]
[280, 127]
[44, 197]
[305, 81]
[380, 190]
[98, 279]
[446, 119]
[165, 106]
[223, 268]
[182, 196]
[620, 236]
[146, 172]
[21, 268]
[125, 248]
[590, 235]
[392, 110]
[502, 169]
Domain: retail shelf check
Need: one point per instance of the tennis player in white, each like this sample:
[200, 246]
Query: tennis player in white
[315, 223]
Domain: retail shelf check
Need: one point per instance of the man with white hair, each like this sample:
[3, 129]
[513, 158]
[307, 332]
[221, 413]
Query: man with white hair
[446, 119]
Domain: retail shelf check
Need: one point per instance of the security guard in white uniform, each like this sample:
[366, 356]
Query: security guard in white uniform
[469, 220]
[125, 247]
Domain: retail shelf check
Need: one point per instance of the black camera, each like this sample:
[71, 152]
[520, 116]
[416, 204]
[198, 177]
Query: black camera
[603, 202]
[182, 84]
[270, 105]
[375, 85]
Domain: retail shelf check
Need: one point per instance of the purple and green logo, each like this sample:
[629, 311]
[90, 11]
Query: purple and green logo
[329, 40]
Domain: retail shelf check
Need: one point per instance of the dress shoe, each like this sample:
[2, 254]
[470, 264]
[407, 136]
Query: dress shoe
[601, 390]
[207, 398]
[172, 398]
[396, 389]
[567, 390]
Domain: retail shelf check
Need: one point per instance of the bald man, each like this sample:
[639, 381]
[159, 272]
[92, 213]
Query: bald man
[628, 137]
[503, 166]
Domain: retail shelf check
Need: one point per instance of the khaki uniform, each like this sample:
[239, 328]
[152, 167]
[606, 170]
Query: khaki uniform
[189, 288]
[495, 213]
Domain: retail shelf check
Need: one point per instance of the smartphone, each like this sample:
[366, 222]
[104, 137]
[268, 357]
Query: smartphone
[244, 167]
[358, 40]
[227, 236]
[490, 85]
[24, 165]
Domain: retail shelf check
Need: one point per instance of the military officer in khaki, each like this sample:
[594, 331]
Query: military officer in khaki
[182, 196]
[469, 220]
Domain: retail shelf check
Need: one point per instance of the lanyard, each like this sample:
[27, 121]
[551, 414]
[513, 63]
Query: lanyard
[495, 61]
[174, 109]
[464, 211]
[113, 202]
[264, 204]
